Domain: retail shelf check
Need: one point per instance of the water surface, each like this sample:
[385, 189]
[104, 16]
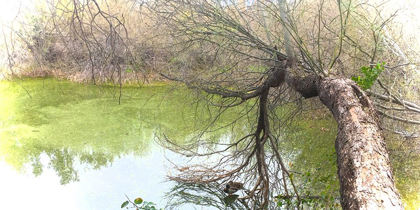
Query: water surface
[73, 146]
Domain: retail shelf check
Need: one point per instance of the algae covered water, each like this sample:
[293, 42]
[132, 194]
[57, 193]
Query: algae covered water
[72, 146]
[65, 145]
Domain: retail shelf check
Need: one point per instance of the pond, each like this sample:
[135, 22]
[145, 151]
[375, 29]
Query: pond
[73, 146]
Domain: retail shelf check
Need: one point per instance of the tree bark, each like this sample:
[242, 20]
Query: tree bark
[364, 169]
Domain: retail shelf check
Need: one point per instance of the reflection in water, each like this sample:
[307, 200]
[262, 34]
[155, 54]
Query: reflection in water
[210, 196]
[64, 162]
[75, 124]
[97, 189]
[81, 146]
[84, 147]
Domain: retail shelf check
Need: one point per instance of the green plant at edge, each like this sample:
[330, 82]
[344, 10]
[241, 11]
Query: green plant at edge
[138, 203]
[371, 75]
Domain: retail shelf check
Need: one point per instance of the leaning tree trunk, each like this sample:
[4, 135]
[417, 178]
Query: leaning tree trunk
[364, 169]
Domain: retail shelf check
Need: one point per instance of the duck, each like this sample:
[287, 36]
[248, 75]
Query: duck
[233, 187]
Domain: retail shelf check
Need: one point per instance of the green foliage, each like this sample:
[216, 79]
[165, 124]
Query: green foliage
[139, 204]
[138, 200]
[125, 204]
[371, 75]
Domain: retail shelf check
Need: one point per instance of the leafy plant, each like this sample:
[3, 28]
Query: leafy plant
[138, 203]
[371, 75]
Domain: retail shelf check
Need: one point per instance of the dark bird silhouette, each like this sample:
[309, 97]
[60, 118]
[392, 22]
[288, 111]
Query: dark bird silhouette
[233, 187]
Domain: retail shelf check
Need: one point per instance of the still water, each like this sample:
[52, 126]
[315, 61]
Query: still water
[72, 146]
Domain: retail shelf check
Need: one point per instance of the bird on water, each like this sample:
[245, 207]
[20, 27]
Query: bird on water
[233, 187]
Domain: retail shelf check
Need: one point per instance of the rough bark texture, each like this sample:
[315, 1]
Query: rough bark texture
[364, 169]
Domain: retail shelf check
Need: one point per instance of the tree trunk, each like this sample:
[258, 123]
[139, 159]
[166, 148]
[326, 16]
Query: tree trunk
[364, 169]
